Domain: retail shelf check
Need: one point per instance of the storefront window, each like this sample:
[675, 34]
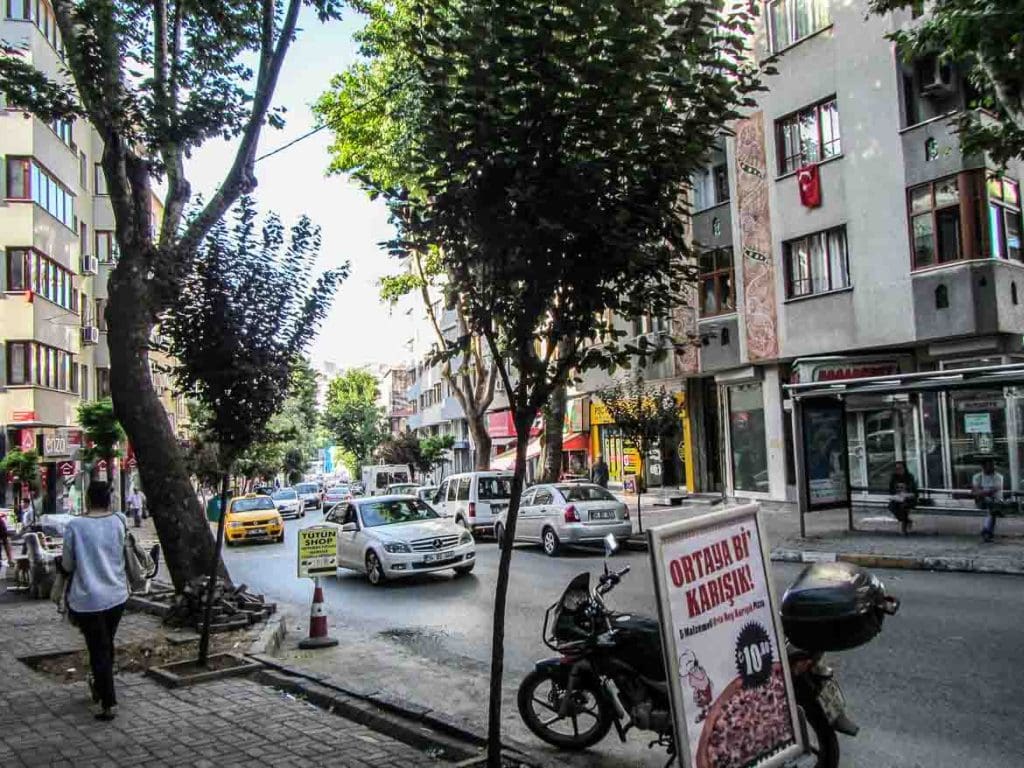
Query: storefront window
[977, 429]
[934, 474]
[747, 438]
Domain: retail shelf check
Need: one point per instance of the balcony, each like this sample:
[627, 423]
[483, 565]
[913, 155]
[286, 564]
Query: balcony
[968, 298]
[931, 150]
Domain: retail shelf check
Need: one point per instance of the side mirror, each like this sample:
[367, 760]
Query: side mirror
[349, 528]
[611, 545]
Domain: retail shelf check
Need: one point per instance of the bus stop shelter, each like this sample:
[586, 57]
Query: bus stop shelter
[848, 434]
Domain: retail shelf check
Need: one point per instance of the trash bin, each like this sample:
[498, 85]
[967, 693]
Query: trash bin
[213, 509]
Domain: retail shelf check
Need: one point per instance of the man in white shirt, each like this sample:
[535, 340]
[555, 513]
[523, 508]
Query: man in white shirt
[135, 506]
[987, 487]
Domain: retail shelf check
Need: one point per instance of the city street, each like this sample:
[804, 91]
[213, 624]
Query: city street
[940, 687]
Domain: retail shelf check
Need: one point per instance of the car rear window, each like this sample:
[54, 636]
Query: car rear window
[252, 505]
[493, 488]
[306, 488]
[585, 493]
[285, 493]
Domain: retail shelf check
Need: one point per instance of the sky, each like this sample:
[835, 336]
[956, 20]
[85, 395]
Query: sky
[359, 330]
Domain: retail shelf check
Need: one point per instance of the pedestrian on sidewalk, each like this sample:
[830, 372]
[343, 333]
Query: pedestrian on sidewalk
[599, 472]
[94, 556]
[5, 542]
[903, 495]
[135, 506]
[987, 487]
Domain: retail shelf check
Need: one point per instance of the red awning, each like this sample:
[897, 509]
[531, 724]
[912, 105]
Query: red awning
[577, 441]
[507, 460]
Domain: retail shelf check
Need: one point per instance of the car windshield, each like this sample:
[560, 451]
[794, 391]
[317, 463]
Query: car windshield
[306, 488]
[337, 492]
[494, 487]
[252, 505]
[285, 494]
[377, 513]
[585, 493]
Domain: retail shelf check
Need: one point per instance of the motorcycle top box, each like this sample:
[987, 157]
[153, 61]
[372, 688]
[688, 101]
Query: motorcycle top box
[833, 607]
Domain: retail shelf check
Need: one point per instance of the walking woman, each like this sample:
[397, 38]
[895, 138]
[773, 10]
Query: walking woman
[94, 556]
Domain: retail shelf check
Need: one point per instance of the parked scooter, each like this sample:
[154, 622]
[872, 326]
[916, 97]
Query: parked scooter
[610, 670]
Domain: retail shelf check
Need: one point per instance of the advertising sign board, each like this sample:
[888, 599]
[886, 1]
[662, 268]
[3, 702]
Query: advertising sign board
[825, 453]
[318, 552]
[733, 702]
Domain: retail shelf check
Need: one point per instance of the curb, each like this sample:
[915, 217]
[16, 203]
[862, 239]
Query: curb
[991, 565]
[271, 636]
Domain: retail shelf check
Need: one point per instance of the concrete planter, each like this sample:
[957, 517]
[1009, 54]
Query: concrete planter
[219, 666]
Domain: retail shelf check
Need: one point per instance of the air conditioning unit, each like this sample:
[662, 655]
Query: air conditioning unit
[90, 334]
[90, 265]
[936, 78]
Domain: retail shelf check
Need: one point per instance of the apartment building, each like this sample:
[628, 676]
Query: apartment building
[395, 381]
[57, 246]
[842, 233]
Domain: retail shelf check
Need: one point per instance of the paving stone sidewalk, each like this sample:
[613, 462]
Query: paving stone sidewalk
[232, 722]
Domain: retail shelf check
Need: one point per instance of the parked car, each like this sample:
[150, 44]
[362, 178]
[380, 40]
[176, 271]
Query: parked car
[401, 489]
[288, 502]
[357, 488]
[567, 513]
[310, 495]
[392, 536]
[253, 517]
[425, 493]
[336, 495]
[474, 499]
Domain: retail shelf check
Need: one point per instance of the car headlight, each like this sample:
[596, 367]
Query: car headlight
[466, 538]
[396, 547]
[234, 524]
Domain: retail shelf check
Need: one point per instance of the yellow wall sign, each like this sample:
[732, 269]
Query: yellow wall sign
[318, 551]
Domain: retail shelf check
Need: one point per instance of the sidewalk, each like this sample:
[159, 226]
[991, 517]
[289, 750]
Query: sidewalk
[936, 542]
[232, 722]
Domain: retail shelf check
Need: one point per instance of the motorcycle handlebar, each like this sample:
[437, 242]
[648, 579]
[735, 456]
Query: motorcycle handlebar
[610, 580]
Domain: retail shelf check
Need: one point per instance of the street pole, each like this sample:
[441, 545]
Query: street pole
[204, 636]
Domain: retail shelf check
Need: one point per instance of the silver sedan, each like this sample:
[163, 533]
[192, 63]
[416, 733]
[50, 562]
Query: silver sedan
[567, 513]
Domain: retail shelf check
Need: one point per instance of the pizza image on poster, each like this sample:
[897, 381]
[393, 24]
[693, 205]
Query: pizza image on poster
[733, 702]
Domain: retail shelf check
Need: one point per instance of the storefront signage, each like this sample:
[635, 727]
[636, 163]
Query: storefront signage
[978, 423]
[732, 697]
[23, 416]
[56, 444]
[67, 469]
[825, 454]
[843, 369]
[27, 440]
[318, 551]
[577, 415]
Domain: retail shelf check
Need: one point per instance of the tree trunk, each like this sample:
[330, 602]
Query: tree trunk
[554, 423]
[481, 440]
[204, 636]
[501, 592]
[180, 524]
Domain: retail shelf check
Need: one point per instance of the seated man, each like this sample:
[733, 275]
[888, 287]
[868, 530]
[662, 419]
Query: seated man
[987, 489]
[903, 495]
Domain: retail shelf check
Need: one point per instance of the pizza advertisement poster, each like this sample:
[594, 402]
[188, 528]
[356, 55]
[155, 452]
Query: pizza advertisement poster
[732, 697]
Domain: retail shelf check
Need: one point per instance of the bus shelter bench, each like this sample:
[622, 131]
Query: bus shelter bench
[943, 502]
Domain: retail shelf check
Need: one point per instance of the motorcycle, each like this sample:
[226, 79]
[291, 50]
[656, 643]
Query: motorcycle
[609, 671]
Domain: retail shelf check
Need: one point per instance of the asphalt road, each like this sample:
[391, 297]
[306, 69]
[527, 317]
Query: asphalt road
[939, 688]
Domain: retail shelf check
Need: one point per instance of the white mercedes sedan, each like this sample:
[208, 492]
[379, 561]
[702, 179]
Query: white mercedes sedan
[387, 537]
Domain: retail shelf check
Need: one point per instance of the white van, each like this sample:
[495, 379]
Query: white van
[474, 499]
[376, 479]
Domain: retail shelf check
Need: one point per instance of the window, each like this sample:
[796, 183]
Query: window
[710, 186]
[720, 175]
[935, 222]
[790, 21]
[808, 136]
[101, 319]
[747, 438]
[31, 363]
[27, 180]
[99, 180]
[1004, 218]
[817, 263]
[463, 493]
[649, 323]
[106, 246]
[39, 12]
[717, 292]
[84, 378]
[942, 297]
[63, 130]
[83, 171]
[542, 498]
[102, 383]
[29, 270]
[83, 238]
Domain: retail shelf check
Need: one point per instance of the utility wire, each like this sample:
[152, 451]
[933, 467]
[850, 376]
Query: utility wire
[354, 110]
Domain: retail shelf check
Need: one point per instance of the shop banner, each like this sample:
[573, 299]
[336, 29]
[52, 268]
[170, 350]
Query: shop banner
[318, 551]
[732, 698]
[825, 454]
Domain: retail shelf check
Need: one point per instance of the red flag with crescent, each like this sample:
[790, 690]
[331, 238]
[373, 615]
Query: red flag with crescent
[810, 186]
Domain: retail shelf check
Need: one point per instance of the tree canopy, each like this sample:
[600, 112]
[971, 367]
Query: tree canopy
[984, 37]
[352, 413]
[100, 428]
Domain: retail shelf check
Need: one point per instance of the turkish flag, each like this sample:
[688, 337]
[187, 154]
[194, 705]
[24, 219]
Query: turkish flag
[810, 186]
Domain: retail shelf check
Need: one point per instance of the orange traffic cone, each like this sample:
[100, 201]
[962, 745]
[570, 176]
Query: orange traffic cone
[317, 622]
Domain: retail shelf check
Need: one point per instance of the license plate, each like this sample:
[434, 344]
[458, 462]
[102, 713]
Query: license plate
[602, 514]
[256, 532]
[437, 557]
[831, 699]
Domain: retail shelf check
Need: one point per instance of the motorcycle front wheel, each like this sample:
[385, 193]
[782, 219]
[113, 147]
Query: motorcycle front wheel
[588, 716]
[823, 742]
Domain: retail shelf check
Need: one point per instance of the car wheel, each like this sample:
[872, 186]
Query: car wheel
[374, 569]
[302, 513]
[230, 543]
[499, 535]
[463, 570]
[550, 542]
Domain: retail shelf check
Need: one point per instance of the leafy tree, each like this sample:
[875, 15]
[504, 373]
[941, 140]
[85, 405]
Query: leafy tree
[983, 36]
[645, 415]
[434, 451]
[158, 80]
[294, 465]
[546, 148]
[403, 448]
[352, 414]
[102, 430]
[22, 465]
[367, 107]
[245, 314]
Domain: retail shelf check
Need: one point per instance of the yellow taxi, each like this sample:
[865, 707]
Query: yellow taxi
[253, 517]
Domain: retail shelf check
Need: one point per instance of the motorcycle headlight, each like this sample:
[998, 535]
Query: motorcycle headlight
[466, 538]
[397, 547]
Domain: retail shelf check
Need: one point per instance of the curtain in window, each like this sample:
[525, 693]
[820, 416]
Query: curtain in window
[839, 267]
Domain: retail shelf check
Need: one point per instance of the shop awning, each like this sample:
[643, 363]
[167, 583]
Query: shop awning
[507, 460]
[577, 441]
